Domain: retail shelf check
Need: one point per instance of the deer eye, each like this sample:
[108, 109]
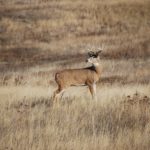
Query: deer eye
[94, 56]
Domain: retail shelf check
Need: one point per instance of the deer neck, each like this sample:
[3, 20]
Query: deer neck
[97, 68]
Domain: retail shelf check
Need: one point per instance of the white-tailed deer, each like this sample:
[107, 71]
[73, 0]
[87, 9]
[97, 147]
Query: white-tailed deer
[77, 77]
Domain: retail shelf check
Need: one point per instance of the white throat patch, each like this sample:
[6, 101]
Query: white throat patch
[96, 64]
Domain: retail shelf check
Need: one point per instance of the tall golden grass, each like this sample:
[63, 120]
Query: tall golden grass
[40, 37]
[76, 123]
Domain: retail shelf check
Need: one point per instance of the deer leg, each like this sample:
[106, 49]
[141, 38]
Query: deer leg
[56, 93]
[92, 89]
[95, 95]
[61, 94]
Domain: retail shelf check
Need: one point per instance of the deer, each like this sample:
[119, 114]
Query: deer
[88, 76]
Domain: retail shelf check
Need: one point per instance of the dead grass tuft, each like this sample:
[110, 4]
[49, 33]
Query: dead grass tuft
[40, 37]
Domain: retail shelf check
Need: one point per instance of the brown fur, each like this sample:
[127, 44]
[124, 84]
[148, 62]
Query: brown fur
[76, 77]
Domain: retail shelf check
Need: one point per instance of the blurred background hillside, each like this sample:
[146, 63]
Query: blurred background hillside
[38, 31]
[40, 37]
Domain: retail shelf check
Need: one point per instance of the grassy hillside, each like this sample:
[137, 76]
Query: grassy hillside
[38, 30]
[40, 37]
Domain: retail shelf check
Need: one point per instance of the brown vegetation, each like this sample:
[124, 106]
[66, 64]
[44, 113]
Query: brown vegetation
[79, 124]
[40, 37]
[36, 31]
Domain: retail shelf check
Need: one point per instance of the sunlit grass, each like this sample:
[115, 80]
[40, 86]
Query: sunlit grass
[40, 37]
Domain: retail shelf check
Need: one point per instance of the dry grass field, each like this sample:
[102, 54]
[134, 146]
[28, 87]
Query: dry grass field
[40, 37]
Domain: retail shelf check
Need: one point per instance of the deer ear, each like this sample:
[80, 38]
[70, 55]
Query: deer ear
[97, 53]
[90, 53]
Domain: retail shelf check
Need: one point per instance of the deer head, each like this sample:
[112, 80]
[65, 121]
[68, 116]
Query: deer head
[93, 57]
